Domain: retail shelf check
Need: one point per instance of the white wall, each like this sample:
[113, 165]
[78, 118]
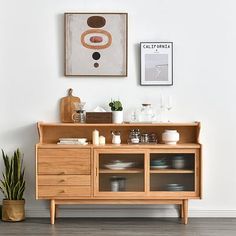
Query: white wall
[204, 36]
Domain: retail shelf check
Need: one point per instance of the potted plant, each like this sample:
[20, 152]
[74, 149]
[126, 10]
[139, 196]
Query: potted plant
[12, 185]
[117, 111]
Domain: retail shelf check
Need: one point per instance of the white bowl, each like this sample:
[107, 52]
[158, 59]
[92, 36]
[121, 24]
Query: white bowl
[170, 137]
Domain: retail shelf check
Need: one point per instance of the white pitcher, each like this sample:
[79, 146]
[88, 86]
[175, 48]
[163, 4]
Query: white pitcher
[116, 137]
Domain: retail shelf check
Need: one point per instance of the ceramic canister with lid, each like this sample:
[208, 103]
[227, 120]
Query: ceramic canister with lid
[178, 162]
[117, 183]
[170, 137]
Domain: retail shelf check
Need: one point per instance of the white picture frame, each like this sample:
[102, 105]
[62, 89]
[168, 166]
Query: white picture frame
[156, 63]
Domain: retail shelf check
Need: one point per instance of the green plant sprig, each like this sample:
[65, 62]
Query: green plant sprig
[116, 105]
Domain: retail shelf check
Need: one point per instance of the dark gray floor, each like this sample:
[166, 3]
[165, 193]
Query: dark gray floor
[121, 227]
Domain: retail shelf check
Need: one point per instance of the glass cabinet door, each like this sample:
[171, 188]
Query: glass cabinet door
[119, 173]
[173, 172]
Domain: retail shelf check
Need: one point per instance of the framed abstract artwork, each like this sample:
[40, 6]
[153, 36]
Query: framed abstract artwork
[156, 63]
[96, 44]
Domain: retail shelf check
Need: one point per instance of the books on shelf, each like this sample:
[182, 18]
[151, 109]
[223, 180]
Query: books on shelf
[69, 141]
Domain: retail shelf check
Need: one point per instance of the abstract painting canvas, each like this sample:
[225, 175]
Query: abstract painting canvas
[96, 44]
[156, 63]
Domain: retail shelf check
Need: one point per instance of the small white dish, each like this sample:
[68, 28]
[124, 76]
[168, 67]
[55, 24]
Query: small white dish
[85, 143]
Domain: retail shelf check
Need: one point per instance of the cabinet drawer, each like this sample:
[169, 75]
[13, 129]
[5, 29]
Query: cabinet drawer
[79, 180]
[64, 152]
[63, 161]
[63, 191]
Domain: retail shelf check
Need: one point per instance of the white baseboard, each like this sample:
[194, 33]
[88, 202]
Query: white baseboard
[128, 212]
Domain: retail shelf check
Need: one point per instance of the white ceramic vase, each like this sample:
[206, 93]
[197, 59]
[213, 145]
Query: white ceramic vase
[170, 137]
[117, 117]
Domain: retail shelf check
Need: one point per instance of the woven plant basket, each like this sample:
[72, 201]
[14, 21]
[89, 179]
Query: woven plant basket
[13, 210]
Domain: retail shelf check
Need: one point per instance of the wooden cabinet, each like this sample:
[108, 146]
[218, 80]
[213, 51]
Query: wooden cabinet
[75, 174]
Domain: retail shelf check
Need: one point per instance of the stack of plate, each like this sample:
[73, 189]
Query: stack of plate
[119, 165]
[174, 187]
[158, 164]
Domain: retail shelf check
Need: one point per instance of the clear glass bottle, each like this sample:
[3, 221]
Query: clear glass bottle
[79, 115]
[147, 113]
[134, 136]
[144, 138]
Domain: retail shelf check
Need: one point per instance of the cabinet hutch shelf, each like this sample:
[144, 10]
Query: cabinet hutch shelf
[78, 174]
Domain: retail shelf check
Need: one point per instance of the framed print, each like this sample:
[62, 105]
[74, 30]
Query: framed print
[96, 44]
[156, 63]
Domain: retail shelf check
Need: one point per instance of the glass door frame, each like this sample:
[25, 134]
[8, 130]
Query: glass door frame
[178, 194]
[126, 194]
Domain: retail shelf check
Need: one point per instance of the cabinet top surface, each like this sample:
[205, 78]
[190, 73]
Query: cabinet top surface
[123, 124]
[126, 146]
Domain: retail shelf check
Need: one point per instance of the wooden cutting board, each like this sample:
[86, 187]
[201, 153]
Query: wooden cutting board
[67, 107]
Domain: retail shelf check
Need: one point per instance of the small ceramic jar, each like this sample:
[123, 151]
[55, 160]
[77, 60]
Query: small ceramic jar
[178, 162]
[117, 183]
[170, 137]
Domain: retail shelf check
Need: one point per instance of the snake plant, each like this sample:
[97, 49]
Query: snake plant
[13, 184]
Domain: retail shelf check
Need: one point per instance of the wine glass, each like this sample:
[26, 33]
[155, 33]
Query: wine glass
[162, 108]
[169, 105]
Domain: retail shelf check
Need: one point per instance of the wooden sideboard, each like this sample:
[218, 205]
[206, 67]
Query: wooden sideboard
[77, 174]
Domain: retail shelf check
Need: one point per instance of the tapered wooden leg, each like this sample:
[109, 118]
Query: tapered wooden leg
[181, 213]
[185, 211]
[52, 212]
[57, 211]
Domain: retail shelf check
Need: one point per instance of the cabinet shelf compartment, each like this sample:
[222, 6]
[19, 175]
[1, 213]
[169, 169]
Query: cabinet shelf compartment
[51, 132]
[172, 165]
[133, 177]
[136, 159]
[162, 182]
[133, 182]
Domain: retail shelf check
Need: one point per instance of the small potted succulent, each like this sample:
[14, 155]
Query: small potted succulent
[12, 185]
[117, 111]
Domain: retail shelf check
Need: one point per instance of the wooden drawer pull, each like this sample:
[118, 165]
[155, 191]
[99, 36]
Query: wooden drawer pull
[62, 191]
[62, 181]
